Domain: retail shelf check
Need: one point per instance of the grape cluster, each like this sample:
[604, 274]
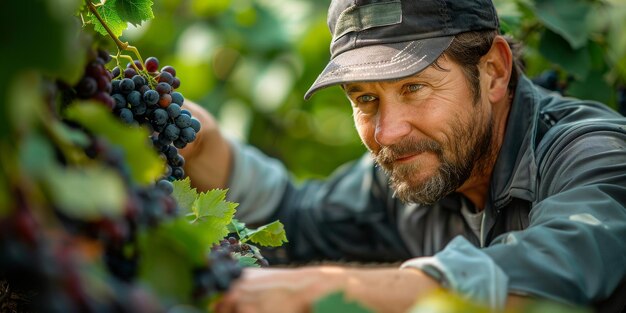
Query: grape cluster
[233, 246]
[47, 271]
[151, 99]
[96, 81]
[217, 274]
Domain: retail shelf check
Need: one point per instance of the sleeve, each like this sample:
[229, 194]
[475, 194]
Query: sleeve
[349, 217]
[257, 182]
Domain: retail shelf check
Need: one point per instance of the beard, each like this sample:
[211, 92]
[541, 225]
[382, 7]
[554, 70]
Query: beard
[468, 151]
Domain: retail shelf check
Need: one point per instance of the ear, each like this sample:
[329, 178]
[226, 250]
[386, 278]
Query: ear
[496, 67]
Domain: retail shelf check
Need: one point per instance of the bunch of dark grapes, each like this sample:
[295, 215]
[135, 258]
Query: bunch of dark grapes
[233, 246]
[149, 98]
[42, 269]
[216, 275]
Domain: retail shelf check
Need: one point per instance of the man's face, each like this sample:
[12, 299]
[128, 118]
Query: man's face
[425, 131]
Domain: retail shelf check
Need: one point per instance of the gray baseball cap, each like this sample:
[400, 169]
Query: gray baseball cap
[375, 40]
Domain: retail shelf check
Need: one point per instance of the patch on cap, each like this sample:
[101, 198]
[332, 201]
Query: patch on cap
[358, 18]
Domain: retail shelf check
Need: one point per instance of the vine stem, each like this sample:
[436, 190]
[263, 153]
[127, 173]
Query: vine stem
[120, 45]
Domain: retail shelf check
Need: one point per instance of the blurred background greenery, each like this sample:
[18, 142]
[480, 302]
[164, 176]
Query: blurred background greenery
[249, 63]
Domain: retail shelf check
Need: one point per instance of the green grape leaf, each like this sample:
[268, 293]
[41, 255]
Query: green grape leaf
[270, 235]
[214, 214]
[213, 203]
[246, 260]
[144, 163]
[87, 193]
[336, 302]
[568, 18]
[109, 14]
[184, 195]
[238, 227]
[169, 252]
[134, 11]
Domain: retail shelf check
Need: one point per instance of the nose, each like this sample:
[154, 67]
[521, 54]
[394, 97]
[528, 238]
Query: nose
[392, 124]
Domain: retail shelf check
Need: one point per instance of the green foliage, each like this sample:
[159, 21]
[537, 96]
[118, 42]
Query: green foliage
[247, 260]
[337, 303]
[25, 32]
[208, 210]
[134, 11]
[144, 163]
[270, 235]
[168, 255]
[108, 12]
[118, 13]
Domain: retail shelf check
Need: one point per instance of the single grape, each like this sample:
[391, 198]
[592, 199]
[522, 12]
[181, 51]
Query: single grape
[195, 124]
[126, 116]
[177, 98]
[139, 109]
[166, 77]
[139, 81]
[152, 64]
[171, 152]
[87, 87]
[171, 132]
[159, 117]
[116, 72]
[163, 88]
[129, 73]
[187, 134]
[120, 101]
[186, 112]
[173, 110]
[164, 139]
[134, 98]
[151, 97]
[165, 100]
[170, 69]
[176, 83]
[127, 85]
[183, 121]
[115, 86]
[178, 143]
[178, 172]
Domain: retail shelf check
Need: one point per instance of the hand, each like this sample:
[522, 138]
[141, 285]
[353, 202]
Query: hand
[295, 290]
[208, 158]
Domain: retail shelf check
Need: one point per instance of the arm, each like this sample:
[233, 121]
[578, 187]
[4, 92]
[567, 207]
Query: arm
[208, 159]
[296, 290]
[574, 249]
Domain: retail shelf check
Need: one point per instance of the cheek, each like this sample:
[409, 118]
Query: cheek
[365, 127]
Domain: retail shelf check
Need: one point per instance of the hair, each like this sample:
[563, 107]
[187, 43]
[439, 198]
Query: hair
[468, 48]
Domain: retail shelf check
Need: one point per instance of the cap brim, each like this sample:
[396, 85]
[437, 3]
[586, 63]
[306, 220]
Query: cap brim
[381, 62]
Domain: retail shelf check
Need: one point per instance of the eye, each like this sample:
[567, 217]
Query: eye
[414, 87]
[365, 98]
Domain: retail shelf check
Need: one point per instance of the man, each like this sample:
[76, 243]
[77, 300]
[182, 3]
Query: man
[486, 185]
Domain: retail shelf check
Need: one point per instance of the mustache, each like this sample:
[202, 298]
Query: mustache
[389, 154]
